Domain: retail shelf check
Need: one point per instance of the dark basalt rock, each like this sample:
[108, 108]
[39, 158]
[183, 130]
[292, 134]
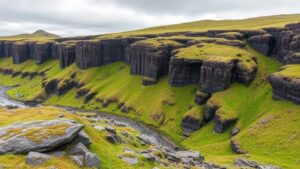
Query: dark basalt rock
[236, 147]
[190, 124]
[210, 111]
[285, 88]
[184, 71]
[7, 45]
[20, 52]
[40, 51]
[66, 53]
[223, 124]
[263, 43]
[55, 51]
[2, 53]
[215, 76]
[147, 60]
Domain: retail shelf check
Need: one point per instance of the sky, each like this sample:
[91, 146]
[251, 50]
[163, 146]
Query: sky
[90, 17]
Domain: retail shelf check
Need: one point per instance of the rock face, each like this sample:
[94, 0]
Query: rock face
[66, 54]
[263, 43]
[98, 52]
[147, 60]
[7, 46]
[40, 51]
[285, 88]
[37, 136]
[20, 52]
[212, 75]
[83, 157]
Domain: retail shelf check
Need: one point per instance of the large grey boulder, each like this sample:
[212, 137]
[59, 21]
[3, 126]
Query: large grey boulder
[35, 158]
[39, 136]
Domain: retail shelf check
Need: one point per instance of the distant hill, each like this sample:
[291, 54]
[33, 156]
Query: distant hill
[37, 35]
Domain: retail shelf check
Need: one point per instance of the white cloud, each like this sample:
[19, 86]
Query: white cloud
[84, 17]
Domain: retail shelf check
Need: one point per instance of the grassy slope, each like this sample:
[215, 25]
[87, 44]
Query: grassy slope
[39, 35]
[251, 23]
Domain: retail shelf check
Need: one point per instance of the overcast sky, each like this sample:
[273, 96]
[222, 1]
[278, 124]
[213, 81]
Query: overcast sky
[85, 17]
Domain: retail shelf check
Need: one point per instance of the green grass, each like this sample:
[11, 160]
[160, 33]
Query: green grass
[204, 25]
[289, 71]
[39, 35]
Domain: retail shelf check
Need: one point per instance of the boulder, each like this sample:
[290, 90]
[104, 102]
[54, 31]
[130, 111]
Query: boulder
[90, 159]
[111, 130]
[195, 155]
[37, 136]
[236, 147]
[79, 160]
[114, 138]
[242, 162]
[83, 138]
[36, 158]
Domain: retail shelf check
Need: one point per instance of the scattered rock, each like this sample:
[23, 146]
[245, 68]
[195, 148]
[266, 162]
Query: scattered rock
[241, 162]
[79, 160]
[111, 130]
[83, 138]
[114, 138]
[237, 148]
[148, 156]
[61, 116]
[234, 131]
[99, 128]
[130, 160]
[35, 158]
[56, 153]
[90, 159]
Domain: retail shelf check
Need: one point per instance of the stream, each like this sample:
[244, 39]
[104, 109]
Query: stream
[148, 133]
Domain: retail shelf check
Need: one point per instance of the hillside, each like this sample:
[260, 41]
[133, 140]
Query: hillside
[217, 87]
[37, 35]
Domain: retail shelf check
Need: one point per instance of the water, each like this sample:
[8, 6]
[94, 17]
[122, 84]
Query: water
[5, 101]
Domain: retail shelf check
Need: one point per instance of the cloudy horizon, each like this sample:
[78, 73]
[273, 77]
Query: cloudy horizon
[88, 17]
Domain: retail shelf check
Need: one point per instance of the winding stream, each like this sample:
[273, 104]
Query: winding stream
[148, 133]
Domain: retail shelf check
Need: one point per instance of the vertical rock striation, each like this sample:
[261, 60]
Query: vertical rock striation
[20, 52]
[66, 53]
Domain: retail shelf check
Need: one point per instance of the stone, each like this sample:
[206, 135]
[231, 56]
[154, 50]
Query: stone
[83, 138]
[234, 131]
[56, 153]
[78, 149]
[130, 160]
[111, 130]
[66, 53]
[236, 147]
[91, 160]
[114, 138]
[263, 43]
[195, 155]
[79, 160]
[36, 158]
[99, 128]
[148, 156]
[18, 137]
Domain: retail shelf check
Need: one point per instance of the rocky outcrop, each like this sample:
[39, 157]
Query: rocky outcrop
[37, 136]
[285, 88]
[184, 71]
[20, 52]
[241, 162]
[149, 61]
[91, 53]
[7, 45]
[215, 76]
[40, 51]
[66, 53]
[2, 54]
[263, 43]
